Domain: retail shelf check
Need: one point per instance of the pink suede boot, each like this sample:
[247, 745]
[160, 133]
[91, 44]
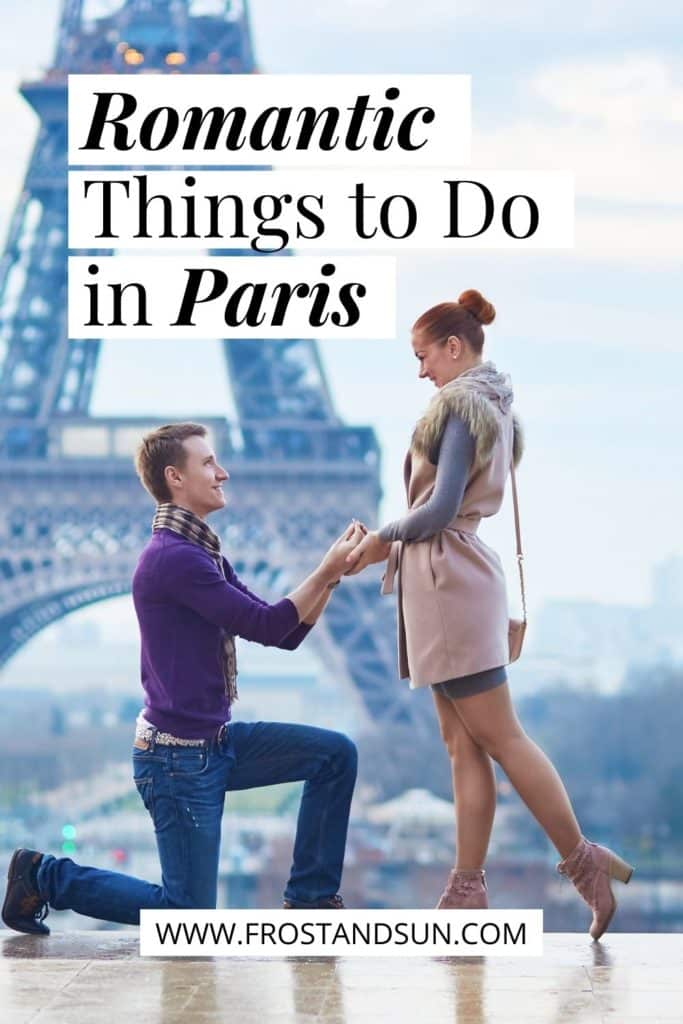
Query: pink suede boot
[591, 868]
[465, 890]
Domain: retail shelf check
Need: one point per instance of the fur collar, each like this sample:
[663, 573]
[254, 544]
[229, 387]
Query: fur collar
[478, 413]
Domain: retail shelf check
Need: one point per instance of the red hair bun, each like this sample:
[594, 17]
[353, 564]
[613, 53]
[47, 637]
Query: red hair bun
[475, 303]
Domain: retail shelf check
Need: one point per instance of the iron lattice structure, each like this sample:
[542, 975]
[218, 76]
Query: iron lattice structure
[74, 515]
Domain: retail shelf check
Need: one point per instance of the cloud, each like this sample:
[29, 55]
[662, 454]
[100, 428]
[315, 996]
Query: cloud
[632, 91]
[648, 241]
[381, 16]
[617, 124]
[29, 35]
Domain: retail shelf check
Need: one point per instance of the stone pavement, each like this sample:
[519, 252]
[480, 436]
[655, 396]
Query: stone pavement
[97, 977]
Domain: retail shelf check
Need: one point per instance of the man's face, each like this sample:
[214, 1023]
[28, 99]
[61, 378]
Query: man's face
[197, 484]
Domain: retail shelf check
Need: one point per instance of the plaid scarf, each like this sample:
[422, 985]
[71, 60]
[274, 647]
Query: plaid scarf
[192, 528]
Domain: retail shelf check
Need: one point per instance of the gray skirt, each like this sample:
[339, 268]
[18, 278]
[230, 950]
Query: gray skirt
[476, 682]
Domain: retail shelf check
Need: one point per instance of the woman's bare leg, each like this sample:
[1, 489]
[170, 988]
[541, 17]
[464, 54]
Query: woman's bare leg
[474, 787]
[491, 721]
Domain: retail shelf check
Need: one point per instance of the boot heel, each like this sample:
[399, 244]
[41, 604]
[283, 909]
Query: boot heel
[619, 869]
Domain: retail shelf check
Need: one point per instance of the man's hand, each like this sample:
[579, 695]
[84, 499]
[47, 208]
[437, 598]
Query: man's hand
[334, 563]
[370, 550]
[311, 596]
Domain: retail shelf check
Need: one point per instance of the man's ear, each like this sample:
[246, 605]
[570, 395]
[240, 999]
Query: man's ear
[172, 476]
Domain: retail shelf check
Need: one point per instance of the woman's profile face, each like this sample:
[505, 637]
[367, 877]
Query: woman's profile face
[438, 363]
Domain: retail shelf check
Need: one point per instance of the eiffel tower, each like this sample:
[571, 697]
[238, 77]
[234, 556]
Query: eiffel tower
[74, 514]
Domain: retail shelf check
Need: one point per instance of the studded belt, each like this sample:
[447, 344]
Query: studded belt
[144, 730]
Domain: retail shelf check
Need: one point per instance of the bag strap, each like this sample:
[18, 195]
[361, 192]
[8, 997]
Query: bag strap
[518, 536]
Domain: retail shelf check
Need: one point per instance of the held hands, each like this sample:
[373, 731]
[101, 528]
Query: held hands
[334, 562]
[370, 549]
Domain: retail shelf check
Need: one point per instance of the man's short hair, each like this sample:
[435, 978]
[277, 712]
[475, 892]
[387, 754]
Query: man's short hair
[161, 448]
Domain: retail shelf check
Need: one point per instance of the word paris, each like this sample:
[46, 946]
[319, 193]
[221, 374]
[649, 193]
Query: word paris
[168, 297]
[242, 304]
[407, 133]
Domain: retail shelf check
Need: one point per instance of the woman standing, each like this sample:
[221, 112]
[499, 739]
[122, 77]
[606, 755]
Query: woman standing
[452, 607]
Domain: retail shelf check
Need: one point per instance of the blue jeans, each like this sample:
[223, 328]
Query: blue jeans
[184, 788]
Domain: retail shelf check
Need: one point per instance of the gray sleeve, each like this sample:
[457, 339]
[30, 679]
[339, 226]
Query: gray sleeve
[456, 455]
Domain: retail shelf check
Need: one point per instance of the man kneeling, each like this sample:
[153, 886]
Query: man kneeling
[187, 753]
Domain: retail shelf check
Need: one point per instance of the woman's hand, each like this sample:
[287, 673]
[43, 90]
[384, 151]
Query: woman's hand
[370, 550]
[333, 564]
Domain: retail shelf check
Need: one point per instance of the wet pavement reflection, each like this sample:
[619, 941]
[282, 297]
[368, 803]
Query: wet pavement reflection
[95, 976]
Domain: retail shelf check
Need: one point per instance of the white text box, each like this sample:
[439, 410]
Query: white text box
[271, 210]
[200, 296]
[367, 933]
[152, 120]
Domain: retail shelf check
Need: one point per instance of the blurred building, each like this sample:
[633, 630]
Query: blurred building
[667, 584]
[590, 645]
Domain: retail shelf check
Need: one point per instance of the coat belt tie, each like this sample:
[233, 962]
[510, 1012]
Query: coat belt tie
[461, 524]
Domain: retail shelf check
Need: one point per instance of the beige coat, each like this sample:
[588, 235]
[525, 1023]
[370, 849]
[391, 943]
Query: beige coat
[452, 601]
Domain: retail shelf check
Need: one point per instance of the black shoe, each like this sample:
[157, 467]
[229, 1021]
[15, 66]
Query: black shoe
[327, 903]
[24, 909]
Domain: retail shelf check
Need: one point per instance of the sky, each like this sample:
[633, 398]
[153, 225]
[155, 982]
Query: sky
[591, 337]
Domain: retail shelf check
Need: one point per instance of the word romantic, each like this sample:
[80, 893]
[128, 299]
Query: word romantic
[273, 128]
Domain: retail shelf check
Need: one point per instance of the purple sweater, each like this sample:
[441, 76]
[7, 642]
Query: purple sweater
[182, 604]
